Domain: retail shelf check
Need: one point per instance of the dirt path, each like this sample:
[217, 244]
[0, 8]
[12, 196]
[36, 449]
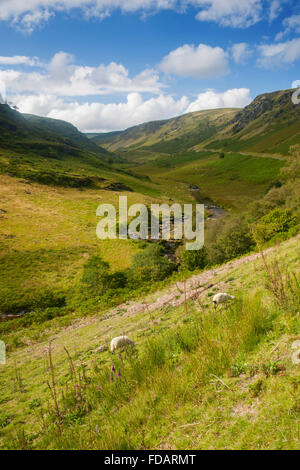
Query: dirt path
[182, 291]
[177, 294]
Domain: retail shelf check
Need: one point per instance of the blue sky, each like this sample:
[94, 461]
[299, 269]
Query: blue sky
[110, 64]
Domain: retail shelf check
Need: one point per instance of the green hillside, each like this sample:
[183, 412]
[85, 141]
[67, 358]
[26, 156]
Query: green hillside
[54, 152]
[43, 135]
[270, 124]
[171, 135]
[54, 129]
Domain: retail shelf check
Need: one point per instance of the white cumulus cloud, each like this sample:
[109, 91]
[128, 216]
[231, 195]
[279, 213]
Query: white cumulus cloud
[62, 77]
[102, 117]
[200, 62]
[235, 98]
[279, 54]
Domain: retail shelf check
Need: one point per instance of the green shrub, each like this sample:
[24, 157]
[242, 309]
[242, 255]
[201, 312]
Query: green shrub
[96, 277]
[97, 285]
[277, 221]
[196, 259]
[235, 240]
[150, 265]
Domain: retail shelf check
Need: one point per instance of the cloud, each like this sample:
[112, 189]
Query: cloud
[275, 9]
[234, 13]
[240, 52]
[200, 62]
[33, 19]
[26, 15]
[103, 117]
[100, 117]
[2, 92]
[62, 89]
[62, 77]
[19, 60]
[291, 25]
[235, 98]
[279, 54]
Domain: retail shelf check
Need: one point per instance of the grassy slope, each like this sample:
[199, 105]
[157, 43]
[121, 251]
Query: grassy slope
[47, 233]
[170, 135]
[43, 135]
[202, 379]
[55, 152]
[270, 124]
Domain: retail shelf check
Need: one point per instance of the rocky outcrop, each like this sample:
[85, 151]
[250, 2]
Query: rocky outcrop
[257, 108]
[270, 105]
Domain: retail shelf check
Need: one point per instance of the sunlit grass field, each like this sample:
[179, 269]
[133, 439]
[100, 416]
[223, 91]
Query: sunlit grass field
[47, 234]
[231, 182]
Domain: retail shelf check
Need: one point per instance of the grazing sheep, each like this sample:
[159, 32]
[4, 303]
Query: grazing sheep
[119, 342]
[222, 298]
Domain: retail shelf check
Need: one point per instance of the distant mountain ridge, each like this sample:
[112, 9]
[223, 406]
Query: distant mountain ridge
[168, 135]
[270, 124]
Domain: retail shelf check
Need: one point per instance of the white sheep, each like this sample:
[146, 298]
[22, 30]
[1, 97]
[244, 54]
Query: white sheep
[222, 298]
[119, 342]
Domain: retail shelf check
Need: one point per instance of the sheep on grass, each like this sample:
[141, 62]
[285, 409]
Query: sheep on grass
[120, 342]
[222, 298]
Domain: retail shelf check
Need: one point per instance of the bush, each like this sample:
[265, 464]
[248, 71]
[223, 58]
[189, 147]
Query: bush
[95, 276]
[150, 265]
[235, 240]
[196, 259]
[276, 222]
[97, 279]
